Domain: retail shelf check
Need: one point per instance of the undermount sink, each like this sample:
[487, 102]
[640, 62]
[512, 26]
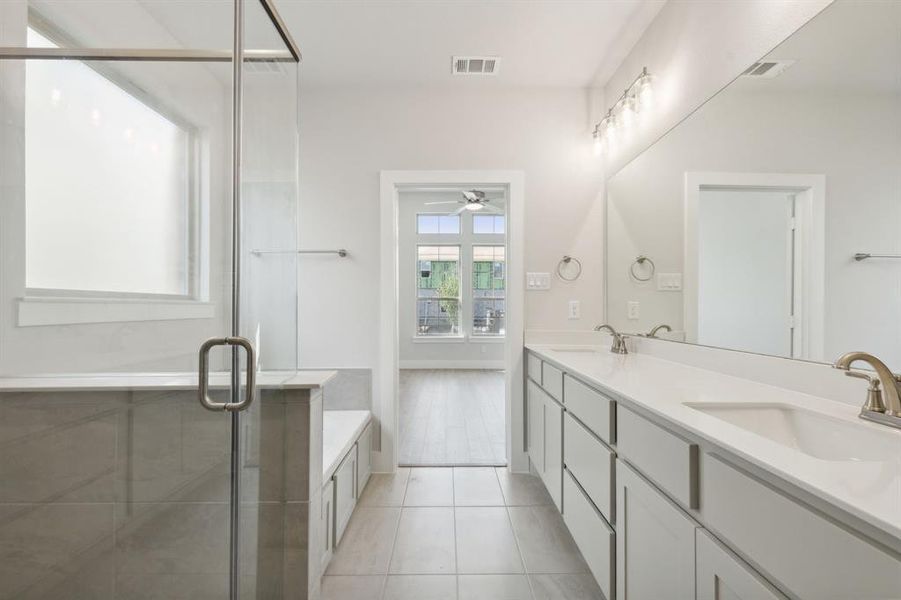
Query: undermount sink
[817, 435]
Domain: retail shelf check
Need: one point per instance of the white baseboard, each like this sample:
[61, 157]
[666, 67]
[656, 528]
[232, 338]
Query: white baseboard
[490, 365]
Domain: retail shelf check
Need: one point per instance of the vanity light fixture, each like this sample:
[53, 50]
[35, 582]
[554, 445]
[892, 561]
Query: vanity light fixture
[636, 97]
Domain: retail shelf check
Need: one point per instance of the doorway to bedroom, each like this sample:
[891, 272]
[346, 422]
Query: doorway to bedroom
[452, 307]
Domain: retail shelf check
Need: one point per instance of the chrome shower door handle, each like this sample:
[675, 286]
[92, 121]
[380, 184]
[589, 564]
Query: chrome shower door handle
[203, 389]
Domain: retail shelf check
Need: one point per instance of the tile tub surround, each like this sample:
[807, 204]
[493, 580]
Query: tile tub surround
[864, 494]
[121, 491]
[476, 542]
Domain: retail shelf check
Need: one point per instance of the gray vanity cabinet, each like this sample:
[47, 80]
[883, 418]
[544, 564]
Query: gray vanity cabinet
[545, 430]
[721, 575]
[553, 451]
[535, 409]
[655, 542]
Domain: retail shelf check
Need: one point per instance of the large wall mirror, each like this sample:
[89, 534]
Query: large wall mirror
[769, 221]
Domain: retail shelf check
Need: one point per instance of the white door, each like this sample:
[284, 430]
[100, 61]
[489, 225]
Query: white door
[745, 269]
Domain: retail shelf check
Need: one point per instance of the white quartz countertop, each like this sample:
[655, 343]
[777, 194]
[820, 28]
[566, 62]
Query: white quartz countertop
[867, 489]
[340, 429]
[287, 380]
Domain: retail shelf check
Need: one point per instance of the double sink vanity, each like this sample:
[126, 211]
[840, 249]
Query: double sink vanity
[680, 482]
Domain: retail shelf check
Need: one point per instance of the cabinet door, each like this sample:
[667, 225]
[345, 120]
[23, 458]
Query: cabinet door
[536, 427]
[364, 459]
[327, 524]
[553, 450]
[655, 542]
[345, 480]
[724, 576]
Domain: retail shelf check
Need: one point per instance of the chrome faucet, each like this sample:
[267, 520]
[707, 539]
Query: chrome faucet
[653, 333]
[883, 403]
[619, 342]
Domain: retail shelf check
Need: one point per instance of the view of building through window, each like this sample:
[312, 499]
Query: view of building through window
[438, 290]
[488, 290]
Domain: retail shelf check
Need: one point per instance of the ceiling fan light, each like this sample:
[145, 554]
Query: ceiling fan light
[473, 206]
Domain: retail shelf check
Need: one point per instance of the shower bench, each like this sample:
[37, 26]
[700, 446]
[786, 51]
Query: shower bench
[346, 467]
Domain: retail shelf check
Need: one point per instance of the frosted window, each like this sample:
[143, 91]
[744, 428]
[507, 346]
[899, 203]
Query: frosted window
[107, 185]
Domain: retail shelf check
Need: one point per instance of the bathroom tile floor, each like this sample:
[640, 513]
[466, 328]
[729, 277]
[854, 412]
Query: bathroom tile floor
[465, 533]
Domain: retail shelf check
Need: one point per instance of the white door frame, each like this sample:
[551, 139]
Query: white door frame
[810, 239]
[386, 380]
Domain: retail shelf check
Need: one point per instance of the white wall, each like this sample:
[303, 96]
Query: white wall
[468, 352]
[349, 135]
[693, 49]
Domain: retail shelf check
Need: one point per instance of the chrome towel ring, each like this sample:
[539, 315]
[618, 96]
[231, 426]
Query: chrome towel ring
[640, 261]
[564, 262]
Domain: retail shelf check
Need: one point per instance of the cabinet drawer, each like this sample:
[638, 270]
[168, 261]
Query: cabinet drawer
[803, 552]
[662, 456]
[533, 368]
[552, 381]
[595, 410]
[364, 458]
[591, 463]
[591, 533]
[345, 481]
[721, 574]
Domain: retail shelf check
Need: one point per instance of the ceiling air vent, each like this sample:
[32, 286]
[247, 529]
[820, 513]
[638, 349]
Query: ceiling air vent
[476, 65]
[767, 69]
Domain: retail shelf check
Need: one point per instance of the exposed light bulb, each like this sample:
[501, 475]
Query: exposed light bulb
[628, 110]
[645, 91]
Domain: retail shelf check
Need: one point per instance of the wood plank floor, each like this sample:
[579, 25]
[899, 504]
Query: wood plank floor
[452, 417]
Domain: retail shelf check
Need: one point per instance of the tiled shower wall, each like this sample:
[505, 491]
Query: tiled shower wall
[124, 495]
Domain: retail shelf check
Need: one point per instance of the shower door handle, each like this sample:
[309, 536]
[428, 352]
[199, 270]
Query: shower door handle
[203, 388]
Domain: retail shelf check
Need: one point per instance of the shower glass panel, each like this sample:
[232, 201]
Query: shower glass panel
[118, 256]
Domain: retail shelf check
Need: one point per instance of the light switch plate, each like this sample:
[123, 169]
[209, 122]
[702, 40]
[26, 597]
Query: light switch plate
[575, 311]
[669, 282]
[633, 310]
[538, 281]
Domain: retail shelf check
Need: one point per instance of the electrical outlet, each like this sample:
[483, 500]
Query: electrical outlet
[575, 309]
[633, 310]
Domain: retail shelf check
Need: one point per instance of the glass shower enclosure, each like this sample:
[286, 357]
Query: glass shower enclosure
[148, 219]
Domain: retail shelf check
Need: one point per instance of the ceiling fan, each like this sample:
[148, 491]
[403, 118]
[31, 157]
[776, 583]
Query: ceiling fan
[473, 200]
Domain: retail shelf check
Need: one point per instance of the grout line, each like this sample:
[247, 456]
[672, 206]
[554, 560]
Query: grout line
[394, 543]
[525, 569]
[456, 557]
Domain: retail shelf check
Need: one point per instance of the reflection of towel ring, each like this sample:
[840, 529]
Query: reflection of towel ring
[640, 261]
[565, 261]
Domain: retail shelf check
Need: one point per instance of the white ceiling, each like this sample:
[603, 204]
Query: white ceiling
[410, 42]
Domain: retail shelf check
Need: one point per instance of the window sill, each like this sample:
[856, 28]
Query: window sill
[458, 339]
[35, 311]
[439, 339]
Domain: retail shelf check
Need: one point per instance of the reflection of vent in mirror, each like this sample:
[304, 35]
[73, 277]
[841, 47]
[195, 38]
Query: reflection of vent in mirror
[767, 69]
[475, 65]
